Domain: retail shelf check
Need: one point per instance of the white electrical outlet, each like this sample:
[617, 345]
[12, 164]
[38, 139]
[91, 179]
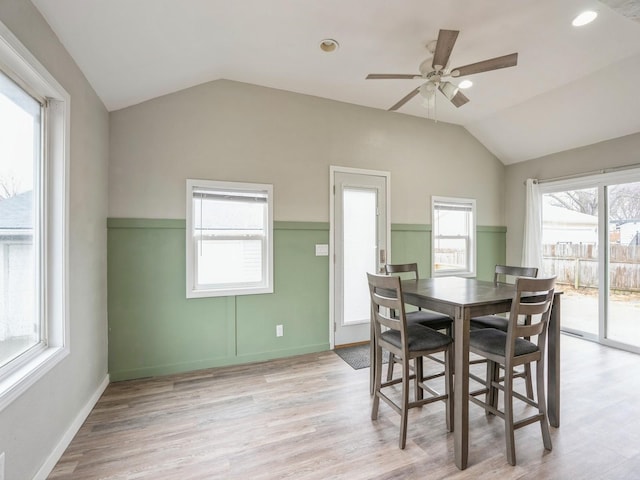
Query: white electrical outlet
[2, 466]
[279, 333]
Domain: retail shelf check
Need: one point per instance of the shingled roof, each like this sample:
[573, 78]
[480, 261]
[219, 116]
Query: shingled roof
[16, 213]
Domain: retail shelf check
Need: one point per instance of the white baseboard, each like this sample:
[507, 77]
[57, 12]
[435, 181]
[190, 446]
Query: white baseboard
[64, 442]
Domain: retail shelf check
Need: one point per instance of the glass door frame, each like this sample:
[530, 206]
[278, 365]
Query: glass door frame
[333, 170]
[601, 182]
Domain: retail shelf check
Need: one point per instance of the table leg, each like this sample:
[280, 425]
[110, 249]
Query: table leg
[553, 364]
[461, 388]
[372, 358]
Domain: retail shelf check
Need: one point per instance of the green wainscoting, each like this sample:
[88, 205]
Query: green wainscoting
[155, 330]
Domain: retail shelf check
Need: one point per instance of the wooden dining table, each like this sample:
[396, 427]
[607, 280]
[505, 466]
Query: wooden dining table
[462, 299]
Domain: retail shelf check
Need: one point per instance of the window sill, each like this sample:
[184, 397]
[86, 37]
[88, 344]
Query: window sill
[15, 383]
[232, 292]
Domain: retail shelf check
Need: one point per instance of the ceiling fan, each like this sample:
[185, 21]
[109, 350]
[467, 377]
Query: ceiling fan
[435, 69]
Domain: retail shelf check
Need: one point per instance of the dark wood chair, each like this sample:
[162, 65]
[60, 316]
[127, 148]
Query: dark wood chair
[513, 348]
[502, 274]
[407, 342]
[506, 274]
[427, 318]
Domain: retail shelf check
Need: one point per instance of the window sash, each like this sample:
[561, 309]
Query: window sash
[466, 225]
[13, 89]
[231, 259]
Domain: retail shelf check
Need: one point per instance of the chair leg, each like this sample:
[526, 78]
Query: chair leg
[493, 375]
[542, 406]
[508, 415]
[377, 375]
[404, 411]
[449, 331]
[392, 361]
[528, 381]
[419, 377]
[448, 386]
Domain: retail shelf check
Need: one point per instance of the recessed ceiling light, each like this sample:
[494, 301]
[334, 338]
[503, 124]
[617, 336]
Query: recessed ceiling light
[329, 45]
[465, 84]
[584, 18]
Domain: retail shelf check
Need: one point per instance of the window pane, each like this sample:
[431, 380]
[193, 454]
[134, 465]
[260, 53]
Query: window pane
[228, 262]
[360, 246]
[623, 323]
[217, 216]
[450, 254]
[19, 158]
[452, 222]
[570, 251]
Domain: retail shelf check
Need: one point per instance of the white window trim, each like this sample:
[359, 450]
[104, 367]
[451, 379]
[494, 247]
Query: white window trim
[22, 373]
[192, 290]
[472, 248]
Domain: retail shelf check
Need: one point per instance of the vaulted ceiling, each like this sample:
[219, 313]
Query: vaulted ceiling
[572, 86]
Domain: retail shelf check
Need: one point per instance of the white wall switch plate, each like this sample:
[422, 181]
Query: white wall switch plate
[322, 250]
[279, 330]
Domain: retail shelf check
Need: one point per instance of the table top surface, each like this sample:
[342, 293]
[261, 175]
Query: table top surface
[459, 291]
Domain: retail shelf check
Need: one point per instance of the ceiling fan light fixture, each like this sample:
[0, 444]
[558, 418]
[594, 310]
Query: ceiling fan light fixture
[465, 84]
[329, 45]
[584, 18]
[427, 90]
[449, 89]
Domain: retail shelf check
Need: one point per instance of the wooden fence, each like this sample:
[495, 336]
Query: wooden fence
[577, 265]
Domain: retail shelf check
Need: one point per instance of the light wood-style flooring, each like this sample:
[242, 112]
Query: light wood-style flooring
[308, 417]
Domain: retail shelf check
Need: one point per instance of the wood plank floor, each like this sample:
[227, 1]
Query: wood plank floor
[308, 417]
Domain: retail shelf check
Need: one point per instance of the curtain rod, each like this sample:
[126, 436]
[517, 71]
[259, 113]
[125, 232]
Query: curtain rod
[587, 174]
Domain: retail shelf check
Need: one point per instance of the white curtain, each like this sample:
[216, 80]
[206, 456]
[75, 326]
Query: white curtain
[532, 245]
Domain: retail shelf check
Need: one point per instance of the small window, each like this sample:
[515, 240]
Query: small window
[454, 245]
[229, 238]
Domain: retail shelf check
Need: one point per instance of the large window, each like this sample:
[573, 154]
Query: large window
[229, 238]
[33, 198]
[453, 240]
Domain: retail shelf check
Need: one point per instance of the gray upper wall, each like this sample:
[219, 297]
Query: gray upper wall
[232, 131]
[612, 153]
[33, 425]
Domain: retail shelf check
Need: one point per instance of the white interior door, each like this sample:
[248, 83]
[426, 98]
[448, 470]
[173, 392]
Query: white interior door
[360, 239]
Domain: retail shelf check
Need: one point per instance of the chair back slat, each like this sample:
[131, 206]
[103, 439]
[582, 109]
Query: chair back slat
[402, 268]
[504, 271]
[524, 331]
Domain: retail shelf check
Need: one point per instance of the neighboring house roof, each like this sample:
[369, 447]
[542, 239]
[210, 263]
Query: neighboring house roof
[568, 218]
[16, 213]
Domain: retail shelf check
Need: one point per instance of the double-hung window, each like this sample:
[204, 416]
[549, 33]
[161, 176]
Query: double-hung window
[229, 238]
[453, 236]
[34, 139]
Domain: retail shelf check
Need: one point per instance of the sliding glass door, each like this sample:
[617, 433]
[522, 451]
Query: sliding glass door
[623, 312]
[591, 242]
[570, 251]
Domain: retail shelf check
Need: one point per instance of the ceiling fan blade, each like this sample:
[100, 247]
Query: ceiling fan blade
[459, 99]
[453, 94]
[405, 99]
[444, 46]
[391, 76]
[505, 61]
